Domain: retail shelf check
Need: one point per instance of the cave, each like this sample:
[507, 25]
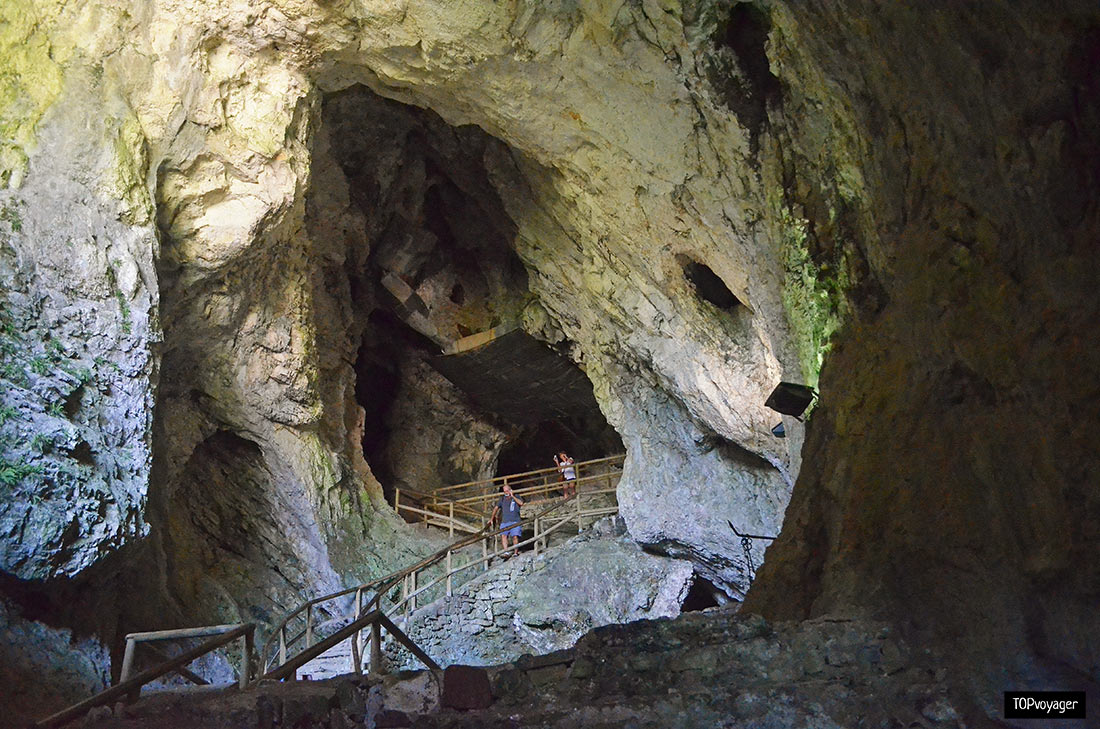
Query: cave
[708, 285]
[432, 266]
[264, 269]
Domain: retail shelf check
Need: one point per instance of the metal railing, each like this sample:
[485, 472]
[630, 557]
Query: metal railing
[128, 687]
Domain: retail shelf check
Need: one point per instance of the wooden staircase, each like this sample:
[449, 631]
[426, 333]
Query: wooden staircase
[323, 638]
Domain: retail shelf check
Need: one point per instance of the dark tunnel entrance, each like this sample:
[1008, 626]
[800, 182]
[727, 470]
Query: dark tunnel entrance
[430, 263]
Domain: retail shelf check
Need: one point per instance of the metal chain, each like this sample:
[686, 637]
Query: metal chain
[746, 545]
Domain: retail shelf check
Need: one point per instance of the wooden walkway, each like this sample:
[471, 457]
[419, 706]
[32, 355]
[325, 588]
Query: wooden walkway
[327, 632]
[463, 509]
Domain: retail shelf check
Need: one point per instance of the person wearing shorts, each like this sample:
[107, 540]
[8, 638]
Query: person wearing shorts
[508, 507]
[568, 474]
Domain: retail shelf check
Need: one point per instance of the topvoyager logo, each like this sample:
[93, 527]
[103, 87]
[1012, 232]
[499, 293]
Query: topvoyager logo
[1044, 704]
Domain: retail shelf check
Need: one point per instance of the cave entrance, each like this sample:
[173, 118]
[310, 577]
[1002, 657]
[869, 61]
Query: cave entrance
[430, 264]
[584, 437]
[702, 595]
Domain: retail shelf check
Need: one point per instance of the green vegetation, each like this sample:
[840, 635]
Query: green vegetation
[41, 442]
[7, 413]
[812, 296]
[10, 215]
[11, 474]
[13, 373]
[56, 409]
[123, 304]
[40, 365]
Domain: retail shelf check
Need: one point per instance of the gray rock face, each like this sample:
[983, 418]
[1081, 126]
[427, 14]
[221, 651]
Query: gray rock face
[541, 604]
[67, 669]
[435, 437]
[682, 485]
[77, 329]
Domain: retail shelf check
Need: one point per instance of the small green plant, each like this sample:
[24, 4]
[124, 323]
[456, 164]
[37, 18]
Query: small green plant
[56, 409]
[101, 362]
[55, 348]
[123, 304]
[41, 442]
[12, 474]
[7, 413]
[40, 366]
[10, 214]
[13, 373]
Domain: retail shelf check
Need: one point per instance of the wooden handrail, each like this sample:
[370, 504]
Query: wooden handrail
[473, 563]
[382, 586]
[519, 476]
[124, 688]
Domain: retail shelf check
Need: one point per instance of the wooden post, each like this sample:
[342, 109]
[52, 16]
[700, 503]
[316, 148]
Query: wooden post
[485, 553]
[451, 509]
[127, 660]
[536, 542]
[448, 573]
[577, 498]
[375, 648]
[309, 626]
[405, 596]
[246, 658]
[413, 576]
[356, 640]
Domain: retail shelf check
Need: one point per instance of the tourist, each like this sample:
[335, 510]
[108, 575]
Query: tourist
[508, 508]
[568, 473]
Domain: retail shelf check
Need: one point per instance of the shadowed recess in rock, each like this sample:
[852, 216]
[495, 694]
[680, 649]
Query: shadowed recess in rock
[438, 266]
[238, 539]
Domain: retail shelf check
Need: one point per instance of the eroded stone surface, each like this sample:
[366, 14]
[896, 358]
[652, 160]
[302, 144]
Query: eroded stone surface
[536, 605]
[929, 177]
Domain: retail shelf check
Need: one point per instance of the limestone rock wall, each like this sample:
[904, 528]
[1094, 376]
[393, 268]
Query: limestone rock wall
[953, 446]
[535, 605]
[920, 182]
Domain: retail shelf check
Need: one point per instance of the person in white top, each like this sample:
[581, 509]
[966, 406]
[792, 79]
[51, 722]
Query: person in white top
[568, 473]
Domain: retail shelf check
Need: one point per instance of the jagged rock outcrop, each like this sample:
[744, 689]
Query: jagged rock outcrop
[919, 184]
[539, 604]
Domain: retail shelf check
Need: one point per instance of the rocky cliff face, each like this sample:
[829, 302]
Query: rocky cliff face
[952, 448]
[212, 208]
[537, 604]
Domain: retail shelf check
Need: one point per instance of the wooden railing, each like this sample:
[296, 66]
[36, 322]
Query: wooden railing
[300, 625]
[131, 687]
[376, 620]
[464, 506]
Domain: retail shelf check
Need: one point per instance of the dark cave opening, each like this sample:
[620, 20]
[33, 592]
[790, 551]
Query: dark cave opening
[440, 268]
[707, 284]
[740, 72]
[583, 437]
[700, 596]
[746, 34]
